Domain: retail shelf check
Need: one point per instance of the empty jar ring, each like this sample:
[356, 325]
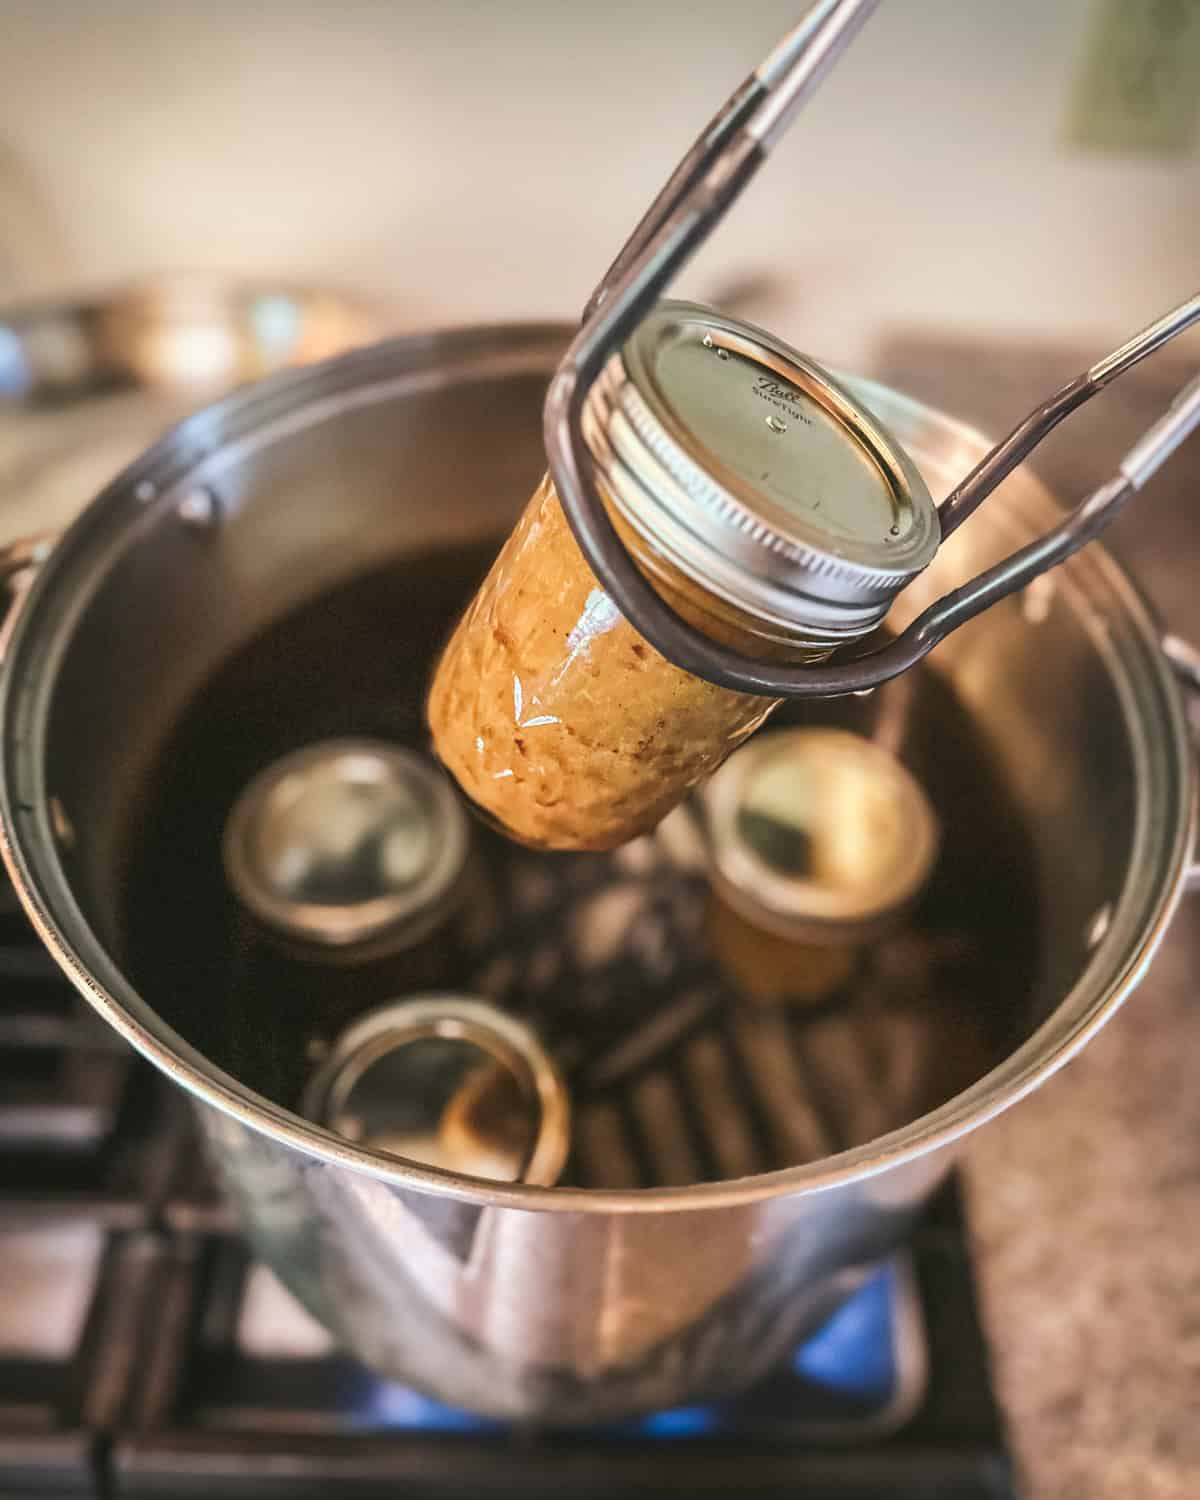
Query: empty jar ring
[449, 1081]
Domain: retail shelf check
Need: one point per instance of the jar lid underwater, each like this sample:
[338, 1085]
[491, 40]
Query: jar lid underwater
[755, 473]
[818, 834]
[450, 1081]
[348, 843]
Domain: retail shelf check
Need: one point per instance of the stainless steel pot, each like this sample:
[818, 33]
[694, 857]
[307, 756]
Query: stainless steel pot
[549, 1302]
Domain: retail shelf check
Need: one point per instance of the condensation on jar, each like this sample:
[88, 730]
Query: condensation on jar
[766, 506]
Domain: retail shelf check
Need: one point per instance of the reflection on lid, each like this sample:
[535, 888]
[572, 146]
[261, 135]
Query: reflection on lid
[779, 438]
[443, 1103]
[338, 842]
[819, 826]
[447, 1081]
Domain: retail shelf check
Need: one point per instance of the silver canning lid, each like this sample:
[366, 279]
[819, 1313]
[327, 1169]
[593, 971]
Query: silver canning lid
[818, 834]
[346, 843]
[449, 1081]
[752, 471]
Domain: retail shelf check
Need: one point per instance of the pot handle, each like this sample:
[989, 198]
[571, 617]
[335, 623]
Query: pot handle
[19, 562]
[1184, 660]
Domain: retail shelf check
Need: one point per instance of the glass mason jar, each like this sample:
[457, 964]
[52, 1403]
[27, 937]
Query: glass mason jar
[819, 843]
[351, 865]
[764, 503]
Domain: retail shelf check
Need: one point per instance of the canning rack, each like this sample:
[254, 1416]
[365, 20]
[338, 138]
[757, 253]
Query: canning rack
[695, 198]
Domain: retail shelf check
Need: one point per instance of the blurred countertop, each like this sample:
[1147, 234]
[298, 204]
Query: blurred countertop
[469, 161]
[1085, 1198]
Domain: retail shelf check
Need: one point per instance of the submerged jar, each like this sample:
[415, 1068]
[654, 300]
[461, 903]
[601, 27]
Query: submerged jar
[765, 505]
[450, 1081]
[819, 843]
[354, 877]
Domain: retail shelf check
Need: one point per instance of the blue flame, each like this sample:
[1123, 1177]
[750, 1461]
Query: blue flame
[382, 1404]
[852, 1356]
[679, 1422]
[853, 1353]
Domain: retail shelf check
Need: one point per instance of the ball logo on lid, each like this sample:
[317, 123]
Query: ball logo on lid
[766, 388]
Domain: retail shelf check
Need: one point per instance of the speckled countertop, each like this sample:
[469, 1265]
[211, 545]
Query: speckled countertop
[1085, 1201]
[1085, 1198]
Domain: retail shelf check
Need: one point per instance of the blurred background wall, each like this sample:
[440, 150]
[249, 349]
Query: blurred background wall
[470, 160]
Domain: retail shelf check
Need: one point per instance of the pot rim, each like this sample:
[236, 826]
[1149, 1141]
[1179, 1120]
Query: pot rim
[30, 852]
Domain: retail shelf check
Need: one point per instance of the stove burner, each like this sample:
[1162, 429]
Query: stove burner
[175, 1366]
[861, 1375]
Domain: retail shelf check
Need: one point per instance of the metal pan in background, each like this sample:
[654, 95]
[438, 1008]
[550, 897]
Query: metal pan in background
[87, 383]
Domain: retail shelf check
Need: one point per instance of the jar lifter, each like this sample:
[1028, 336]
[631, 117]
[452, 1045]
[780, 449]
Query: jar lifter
[694, 200]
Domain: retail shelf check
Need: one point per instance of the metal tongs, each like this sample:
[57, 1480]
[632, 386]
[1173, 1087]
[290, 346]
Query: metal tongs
[695, 199]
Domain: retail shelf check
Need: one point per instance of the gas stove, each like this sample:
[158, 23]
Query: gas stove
[143, 1351]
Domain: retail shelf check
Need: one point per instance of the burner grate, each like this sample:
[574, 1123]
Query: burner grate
[76, 1109]
[238, 1400]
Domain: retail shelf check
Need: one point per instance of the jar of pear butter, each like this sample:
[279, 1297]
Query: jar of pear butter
[765, 505]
